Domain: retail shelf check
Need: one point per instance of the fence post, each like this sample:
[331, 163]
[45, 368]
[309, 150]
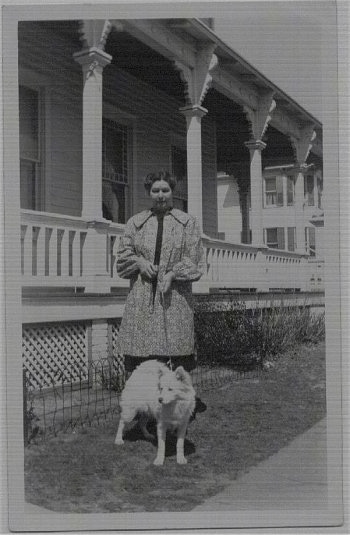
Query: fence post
[25, 409]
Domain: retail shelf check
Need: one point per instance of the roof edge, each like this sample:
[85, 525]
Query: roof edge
[209, 33]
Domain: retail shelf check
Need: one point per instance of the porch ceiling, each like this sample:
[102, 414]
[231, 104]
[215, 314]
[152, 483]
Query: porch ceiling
[279, 150]
[144, 63]
[66, 28]
[232, 130]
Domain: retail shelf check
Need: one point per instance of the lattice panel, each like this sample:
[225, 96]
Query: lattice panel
[55, 354]
[117, 360]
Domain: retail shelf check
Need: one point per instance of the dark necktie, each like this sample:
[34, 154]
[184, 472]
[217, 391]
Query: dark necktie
[158, 251]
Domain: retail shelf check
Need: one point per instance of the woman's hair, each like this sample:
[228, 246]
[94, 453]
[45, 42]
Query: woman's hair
[151, 178]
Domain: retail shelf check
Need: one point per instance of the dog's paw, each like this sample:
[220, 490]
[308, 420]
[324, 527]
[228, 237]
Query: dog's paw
[181, 460]
[119, 441]
[158, 461]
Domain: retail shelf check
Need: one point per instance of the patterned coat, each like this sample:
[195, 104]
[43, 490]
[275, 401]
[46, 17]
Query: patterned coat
[165, 326]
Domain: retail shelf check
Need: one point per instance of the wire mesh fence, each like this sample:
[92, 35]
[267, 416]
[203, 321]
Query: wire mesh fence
[92, 397]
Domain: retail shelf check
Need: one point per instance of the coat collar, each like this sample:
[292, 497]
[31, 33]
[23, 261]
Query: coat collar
[141, 218]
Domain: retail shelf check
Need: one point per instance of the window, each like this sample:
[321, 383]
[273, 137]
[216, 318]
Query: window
[179, 170]
[291, 232]
[310, 240]
[274, 191]
[290, 190]
[309, 190]
[115, 171]
[30, 148]
[274, 237]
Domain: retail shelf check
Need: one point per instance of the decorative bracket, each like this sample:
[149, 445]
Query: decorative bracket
[94, 33]
[260, 118]
[198, 80]
[303, 145]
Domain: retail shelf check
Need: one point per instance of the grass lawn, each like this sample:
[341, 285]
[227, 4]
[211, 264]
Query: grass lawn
[244, 423]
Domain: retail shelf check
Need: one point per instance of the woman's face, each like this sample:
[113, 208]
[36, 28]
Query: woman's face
[161, 195]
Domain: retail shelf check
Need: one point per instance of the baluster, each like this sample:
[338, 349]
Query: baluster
[111, 256]
[107, 257]
[82, 254]
[60, 254]
[215, 264]
[52, 248]
[25, 249]
[209, 263]
[223, 270]
[75, 252]
[220, 264]
[41, 251]
[65, 253]
[114, 255]
[35, 235]
[228, 266]
[48, 235]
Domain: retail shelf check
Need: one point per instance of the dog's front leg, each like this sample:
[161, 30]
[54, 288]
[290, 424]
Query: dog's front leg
[161, 435]
[180, 455]
[119, 438]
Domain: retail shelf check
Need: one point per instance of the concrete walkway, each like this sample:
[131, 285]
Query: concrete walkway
[294, 478]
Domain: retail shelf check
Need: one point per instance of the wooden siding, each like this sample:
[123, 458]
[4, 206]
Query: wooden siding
[49, 56]
[154, 114]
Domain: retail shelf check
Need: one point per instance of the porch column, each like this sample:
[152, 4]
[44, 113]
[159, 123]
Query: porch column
[299, 210]
[256, 190]
[302, 146]
[194, 116]
[243, 190]
[93, 60]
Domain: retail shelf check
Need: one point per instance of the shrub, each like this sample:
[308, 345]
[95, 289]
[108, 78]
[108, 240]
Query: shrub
[31, 429]
[111, 374]
[247, 337]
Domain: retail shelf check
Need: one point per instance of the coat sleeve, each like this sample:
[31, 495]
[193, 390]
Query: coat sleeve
[127, 260]
[191, 266]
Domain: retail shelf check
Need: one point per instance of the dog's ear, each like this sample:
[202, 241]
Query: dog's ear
[182, 375]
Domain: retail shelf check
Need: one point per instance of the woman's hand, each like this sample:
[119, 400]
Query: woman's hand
[165, 285]
[147, 269]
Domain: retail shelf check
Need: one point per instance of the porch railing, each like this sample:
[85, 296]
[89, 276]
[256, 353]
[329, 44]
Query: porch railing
[247, 267]
[66, 251]
[52, 249]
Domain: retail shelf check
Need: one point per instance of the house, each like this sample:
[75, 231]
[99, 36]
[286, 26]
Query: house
[104, 102]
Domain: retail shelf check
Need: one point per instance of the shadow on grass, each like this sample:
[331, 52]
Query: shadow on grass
[200, 407]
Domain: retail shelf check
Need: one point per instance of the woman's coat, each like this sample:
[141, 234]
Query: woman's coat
[165, 326]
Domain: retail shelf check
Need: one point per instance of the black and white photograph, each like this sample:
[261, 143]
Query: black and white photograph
[173, 332]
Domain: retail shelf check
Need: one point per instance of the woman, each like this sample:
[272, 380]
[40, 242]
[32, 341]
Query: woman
[162, 254]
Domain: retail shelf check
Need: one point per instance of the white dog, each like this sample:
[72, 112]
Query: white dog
[154, 391]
